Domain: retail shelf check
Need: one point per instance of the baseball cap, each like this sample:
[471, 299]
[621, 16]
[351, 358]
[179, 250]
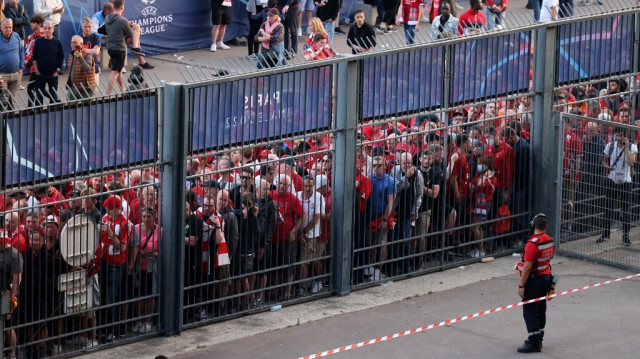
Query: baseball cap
[52, 219]
[321, 180]
[112, 202]
[75, 193]
[378, 151]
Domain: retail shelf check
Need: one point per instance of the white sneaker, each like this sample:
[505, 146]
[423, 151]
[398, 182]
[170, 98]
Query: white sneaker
[459, 7]
[135, 327]
[203, 314]
[213, 48]
[299, 32]
[57, 350]
[124, 69]
[368, 271]
[90, 344]
[376, 274]
[144, 328]
[222, 45]
[316, 287]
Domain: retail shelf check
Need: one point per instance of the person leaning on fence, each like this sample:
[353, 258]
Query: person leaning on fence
[267, 216]
[319, 50]
[361, 37]
[271, 38]
[472, 21]
[82, 71]
[11, 268]
[445, 25]
[150, 235]
[619, 157]
[315, 27]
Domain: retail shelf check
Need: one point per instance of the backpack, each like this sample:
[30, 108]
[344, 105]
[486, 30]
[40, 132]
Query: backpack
[502, 226]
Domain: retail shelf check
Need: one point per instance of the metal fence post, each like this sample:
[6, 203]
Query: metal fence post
[347, 86]
[545, 134]
[174, 132]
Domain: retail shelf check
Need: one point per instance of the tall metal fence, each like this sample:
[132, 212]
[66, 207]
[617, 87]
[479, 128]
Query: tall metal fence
[226, 196]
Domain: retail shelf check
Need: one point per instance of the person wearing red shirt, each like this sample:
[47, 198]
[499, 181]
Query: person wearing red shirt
[36, 26]
[411, 13]
[482, 188]
[535, 281]
[503, 161]
[472, 21]
[112, 254]
[459, 173]
[319, 50]
[13, 228]
[289, 222]
[494, 13]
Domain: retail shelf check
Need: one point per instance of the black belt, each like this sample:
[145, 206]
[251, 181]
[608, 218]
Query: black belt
[533, 276]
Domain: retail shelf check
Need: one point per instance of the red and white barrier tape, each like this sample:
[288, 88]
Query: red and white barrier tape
[459, 319]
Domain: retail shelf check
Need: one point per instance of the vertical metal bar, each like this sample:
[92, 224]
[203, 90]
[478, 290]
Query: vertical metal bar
[347, 89]
[174, 134]
[636, 62]
[544, 132]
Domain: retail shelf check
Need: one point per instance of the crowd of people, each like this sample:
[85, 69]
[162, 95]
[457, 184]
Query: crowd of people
[440, 186]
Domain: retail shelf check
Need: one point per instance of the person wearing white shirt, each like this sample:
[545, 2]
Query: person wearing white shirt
[619, 157]
[313, 206]
[51, 10]
[549, 10]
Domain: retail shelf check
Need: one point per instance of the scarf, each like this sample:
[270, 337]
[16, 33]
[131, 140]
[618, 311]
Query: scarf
[268, 29]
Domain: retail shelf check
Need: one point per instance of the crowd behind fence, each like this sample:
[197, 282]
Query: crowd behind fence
[262, 189]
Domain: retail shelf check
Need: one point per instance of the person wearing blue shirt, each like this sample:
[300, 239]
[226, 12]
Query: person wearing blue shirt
[378, 211]
[11, 56]
[98, 18]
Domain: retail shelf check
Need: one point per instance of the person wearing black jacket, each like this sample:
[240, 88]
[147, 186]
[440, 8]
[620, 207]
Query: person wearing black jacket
[267, 222]
[328, 13]
[249, 229]
[16, 12]
[193, 232]
[291, 23]
[361, 37]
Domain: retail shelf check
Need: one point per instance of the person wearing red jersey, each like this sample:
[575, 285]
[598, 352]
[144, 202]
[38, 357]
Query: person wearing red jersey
[535, 281]
[472, 21]
[459, 174]
[411, 13]
[503, 158]
[319, 49]
[482, 188]
[289, 222]
[112, 255]
[494, 13]
[13, 229]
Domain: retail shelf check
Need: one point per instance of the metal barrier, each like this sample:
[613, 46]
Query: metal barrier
[599, 194]
[410, 160]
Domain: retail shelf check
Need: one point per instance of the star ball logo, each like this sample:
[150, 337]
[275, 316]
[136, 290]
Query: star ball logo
[149, 10]
[148, 2]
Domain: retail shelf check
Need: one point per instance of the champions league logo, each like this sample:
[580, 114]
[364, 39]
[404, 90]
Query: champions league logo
[149, 10]
[148, 2]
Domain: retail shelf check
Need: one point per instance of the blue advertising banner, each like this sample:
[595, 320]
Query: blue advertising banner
[80, 139]
[595, 48]
[490, 67]
[402, 82]
[259, 108]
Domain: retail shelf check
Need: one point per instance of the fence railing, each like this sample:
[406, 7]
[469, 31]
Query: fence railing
[322, 177]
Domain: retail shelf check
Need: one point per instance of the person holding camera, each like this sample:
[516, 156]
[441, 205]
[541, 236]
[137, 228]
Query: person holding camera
[82, 70]
[619, 157]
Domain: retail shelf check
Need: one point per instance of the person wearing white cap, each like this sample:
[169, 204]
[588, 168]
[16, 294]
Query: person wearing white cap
[11, 267]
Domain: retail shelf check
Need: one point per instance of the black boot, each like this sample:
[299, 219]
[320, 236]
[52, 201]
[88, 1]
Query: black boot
[529, 347]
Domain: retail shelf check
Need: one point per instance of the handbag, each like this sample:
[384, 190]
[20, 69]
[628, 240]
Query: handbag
[222, 257]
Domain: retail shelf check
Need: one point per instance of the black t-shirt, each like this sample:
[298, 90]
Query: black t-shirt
[193, 255]
[433, 176]
[10, 262]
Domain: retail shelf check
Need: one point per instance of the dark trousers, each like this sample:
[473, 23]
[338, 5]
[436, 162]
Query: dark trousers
[535, 314]
[254, 25]
[291, 25]
[391, 8]
[40, 86]
[617, 196]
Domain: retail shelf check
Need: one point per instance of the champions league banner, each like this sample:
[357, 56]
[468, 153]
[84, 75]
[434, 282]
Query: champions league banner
[258, 109]
[72, 140]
